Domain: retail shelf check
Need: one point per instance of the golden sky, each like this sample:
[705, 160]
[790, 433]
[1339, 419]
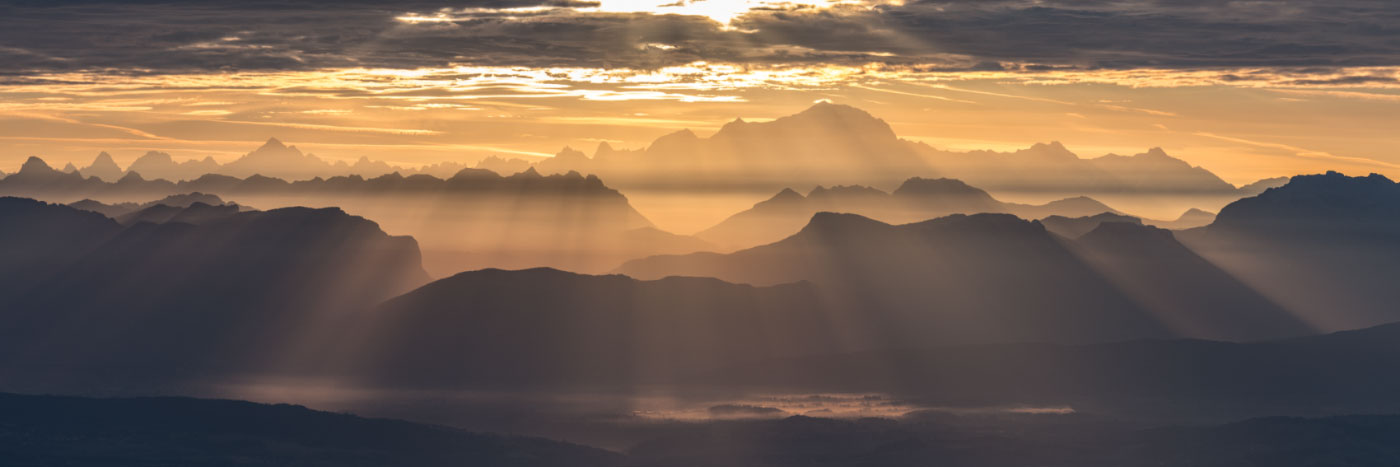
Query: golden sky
[420, 83]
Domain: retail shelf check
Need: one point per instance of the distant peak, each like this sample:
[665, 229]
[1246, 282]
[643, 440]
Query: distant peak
[1053, 149]
[924, 187]
[156, 155]
[70, 168]
[273, 143]
[35, 164]
[603, 148]
[825, 108]
[833, 222]
[570, 153]
[103, 159]
[785, 197]
[1156, 152]
[787, 193]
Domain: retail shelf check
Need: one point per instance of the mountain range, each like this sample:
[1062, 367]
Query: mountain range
[186, 297]
[824, 145]
[915, 199]
[1324, 245]
[831, 144]
[57, 430]
[474, 219]
[277, 160]
[994, 276]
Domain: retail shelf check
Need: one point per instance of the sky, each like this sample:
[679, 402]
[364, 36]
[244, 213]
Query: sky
[1247, 89]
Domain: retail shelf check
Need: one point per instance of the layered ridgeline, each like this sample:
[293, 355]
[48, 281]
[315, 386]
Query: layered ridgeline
[1317, 253]
[995, 277]
[187, 300]
[916, 199]
[216, 293]
[1343, 372]
[552, 330]
[54, 430]
[476, 218]
[274, 159]
[1325, 246]
[830, 144]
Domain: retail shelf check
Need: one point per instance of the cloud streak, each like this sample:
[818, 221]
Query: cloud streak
[1047, 35]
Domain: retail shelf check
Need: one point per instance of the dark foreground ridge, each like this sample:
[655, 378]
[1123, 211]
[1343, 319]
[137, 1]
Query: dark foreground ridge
[55, 431]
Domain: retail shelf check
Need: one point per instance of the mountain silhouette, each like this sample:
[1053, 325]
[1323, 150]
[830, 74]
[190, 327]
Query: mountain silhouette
[38, 240]
[953, 278]
[824, 144]
[503, 166]
[832, 144]
[1323, 245]
[65, 430]
[551, 329]
[1190, 219]
[161, 165]
[1183, 380]
[195, 213]
[117, 210]
[474, 219]
[277, 160]
[181, 299]
[60, 430]
[1189, 294]
[937, 280]
[1075, 227]
[915, 199]
[961, 439]
[104, 168]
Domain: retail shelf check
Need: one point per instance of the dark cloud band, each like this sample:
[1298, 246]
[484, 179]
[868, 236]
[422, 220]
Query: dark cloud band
[178, 37]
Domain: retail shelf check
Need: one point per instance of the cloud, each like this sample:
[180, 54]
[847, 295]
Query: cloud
[1045, 35]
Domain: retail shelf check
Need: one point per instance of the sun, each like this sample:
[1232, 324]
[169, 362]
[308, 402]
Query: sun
[721, 11]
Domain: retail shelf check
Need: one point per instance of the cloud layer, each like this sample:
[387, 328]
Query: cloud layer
[173, 37]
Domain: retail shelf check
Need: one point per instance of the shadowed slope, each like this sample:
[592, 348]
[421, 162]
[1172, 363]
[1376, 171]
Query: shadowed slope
[473, 219]
[549, 328]
[993, 277]
[961, 278]
[179, 299]
[52, 430]
[1325, 246]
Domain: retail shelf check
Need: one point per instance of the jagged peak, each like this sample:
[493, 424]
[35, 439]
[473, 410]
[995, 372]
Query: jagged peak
[787, 193]
[103, 159]
[35, 164]
[272, 143]
[1155, 151]
[69, 168]
[603, 148]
